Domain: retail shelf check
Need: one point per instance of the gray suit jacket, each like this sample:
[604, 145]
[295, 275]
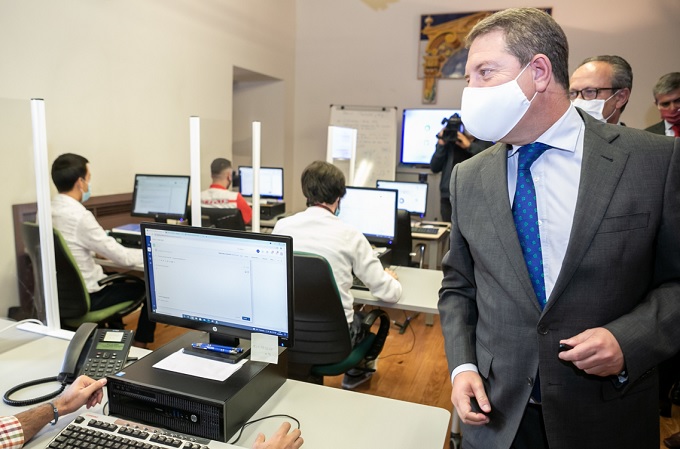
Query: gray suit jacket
[621, 271]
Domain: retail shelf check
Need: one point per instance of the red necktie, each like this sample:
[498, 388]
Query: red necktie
[676, 130]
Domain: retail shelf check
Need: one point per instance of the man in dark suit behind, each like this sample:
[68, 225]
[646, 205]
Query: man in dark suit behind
[667, 100]
[608, 211]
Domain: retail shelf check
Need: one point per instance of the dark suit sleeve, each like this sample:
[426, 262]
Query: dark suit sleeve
[650, 333]
[439, 158]
[477, 146]
[457, 308]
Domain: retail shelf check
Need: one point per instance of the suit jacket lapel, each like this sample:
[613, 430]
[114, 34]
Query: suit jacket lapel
[601, 170]
[495, 187]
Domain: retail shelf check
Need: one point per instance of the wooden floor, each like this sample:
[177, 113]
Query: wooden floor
[412, 367]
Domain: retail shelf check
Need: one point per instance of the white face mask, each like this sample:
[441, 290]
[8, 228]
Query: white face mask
[490, 113]
[594, 107]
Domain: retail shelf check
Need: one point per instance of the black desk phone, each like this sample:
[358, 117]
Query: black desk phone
[95, 352]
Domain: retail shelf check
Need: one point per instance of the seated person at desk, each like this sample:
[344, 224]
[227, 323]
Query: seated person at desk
[16, 430]
[85, 237]
[219, 195]
[318, 230]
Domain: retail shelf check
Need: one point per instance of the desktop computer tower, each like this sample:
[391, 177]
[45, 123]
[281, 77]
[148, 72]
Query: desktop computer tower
[192, 405]
[270, 210]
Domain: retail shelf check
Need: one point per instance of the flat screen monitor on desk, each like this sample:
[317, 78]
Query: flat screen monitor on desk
[160, 196]
[412, 196]
[271, 182]
[228, 283]
[372, 211]
[419, 134]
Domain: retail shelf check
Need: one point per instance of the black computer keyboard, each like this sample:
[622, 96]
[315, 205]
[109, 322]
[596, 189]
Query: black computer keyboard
[422, 230]
[96, 431]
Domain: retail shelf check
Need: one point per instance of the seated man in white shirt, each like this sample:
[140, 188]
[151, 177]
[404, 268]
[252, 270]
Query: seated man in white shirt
[85, 238]
[219, 195]
[318, 230]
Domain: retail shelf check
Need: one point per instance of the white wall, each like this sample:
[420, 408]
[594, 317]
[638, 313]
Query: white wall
[348, 53]
[120, 80]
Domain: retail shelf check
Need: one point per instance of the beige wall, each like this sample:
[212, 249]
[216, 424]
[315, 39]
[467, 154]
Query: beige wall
[120, 80]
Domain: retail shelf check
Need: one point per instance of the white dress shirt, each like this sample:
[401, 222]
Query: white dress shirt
[85, 238]
[556, 175]
[316, 230]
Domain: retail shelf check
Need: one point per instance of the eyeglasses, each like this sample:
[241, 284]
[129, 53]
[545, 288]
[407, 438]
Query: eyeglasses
[589, 93]
[671, 104]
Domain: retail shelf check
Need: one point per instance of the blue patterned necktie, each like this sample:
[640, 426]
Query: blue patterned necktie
[525, 213]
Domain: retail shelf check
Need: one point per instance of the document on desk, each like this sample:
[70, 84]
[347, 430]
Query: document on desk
[179, 362]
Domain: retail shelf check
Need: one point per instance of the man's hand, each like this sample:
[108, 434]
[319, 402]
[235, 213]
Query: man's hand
[83, 391]
[595, 351]
[463, 141]
[466, 385]
[281, 439]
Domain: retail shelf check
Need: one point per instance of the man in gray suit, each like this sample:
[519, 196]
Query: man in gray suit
[602, 278]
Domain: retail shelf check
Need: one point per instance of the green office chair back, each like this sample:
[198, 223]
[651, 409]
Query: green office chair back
[74, 299]
[322, 339]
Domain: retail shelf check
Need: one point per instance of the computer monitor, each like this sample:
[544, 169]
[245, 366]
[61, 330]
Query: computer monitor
[271, 182]
[412, 196]
[419, 134]
[372, 211]
[228, 283]
[160, 196]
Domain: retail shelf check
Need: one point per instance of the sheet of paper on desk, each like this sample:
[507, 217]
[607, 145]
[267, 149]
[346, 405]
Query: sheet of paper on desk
[264, 348]
[179, 362]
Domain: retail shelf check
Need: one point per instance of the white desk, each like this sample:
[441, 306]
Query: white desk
[330, 418]
[420, 291]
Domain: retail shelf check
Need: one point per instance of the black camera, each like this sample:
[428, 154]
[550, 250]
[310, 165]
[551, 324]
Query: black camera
[453, 125]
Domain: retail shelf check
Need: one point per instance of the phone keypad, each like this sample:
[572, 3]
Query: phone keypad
[102, 364]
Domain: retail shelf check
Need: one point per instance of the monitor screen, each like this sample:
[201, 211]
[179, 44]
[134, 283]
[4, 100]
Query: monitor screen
[271, 182]
[419, 133]
[412, 196]
[372, 211]
[160, 196]
[228, 283]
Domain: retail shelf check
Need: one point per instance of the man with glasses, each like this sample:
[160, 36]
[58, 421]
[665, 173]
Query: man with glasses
[667, 100]
[601, 86]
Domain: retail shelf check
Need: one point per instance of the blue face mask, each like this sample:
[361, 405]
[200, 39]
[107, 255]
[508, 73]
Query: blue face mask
[86, 195]
[337, 210]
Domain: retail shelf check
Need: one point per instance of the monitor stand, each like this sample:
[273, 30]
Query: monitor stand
[220, 343]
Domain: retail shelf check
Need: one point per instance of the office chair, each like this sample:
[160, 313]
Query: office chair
[223, 218]
[402, 247]
[74, 299]
[322, 341]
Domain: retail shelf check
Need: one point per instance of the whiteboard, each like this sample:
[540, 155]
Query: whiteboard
[376, 151]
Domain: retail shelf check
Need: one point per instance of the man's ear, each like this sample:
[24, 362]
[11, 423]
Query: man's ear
[541, 68]
[622, 97]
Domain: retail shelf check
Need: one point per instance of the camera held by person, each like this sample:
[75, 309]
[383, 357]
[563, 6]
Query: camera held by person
[454, 125]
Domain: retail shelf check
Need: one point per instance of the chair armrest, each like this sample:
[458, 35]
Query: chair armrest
[383, 331]
[119, 277]
[421, 254]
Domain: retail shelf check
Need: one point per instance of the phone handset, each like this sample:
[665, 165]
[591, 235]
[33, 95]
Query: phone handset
[76, 352]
